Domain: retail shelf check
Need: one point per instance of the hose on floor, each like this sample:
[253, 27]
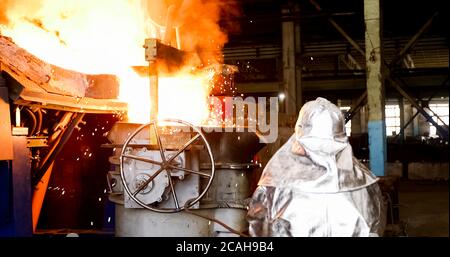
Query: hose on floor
[190, 211]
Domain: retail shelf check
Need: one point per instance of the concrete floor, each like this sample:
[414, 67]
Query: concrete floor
[424, 208]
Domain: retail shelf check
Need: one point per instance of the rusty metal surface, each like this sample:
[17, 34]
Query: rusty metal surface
[171, 137]
[38, 75]
[102, 86]
[35, 82]
[72, 104]
[37, 141]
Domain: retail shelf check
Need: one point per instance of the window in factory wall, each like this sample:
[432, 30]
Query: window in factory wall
[348, 125]
[441, 110]
[392, 113]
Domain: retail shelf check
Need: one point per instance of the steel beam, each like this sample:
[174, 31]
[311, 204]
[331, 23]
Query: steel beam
[402, 91]
[350, 62]
[403, 156]
[339, 29]
[298, 66]
[429, 99]
[289, 62]
[412, 42]
[401, 105]
[167, 58]
[356, 107]
[362, 98]
[402, 130]
[407, 47]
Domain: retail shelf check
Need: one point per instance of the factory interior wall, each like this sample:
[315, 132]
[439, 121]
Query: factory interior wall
[418, 129]
[430, 162]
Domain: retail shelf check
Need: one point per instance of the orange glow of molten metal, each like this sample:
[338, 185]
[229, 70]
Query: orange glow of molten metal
[107, 37]
[181, 96]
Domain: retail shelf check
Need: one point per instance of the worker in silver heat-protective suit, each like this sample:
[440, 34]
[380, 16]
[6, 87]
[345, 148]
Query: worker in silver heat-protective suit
[313, 186]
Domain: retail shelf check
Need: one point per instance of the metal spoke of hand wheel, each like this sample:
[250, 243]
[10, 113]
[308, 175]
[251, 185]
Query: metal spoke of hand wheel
[166, 164]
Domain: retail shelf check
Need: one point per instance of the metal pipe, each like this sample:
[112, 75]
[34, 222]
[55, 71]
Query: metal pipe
[34, 120]
[403, 155]
[39, 120]
[232, 230]
[402, 116]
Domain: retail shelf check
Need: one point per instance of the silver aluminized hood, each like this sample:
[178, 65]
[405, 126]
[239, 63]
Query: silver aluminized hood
[323, 192]
[328, 166]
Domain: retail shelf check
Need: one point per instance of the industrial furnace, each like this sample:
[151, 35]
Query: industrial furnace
[169, 177]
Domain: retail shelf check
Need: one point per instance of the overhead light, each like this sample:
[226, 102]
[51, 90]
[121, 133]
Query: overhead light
[281, 96]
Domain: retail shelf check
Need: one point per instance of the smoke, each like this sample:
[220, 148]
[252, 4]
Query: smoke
[200, 31]
[3, 7]
[13, 8]
[91, 36]
[193, 25]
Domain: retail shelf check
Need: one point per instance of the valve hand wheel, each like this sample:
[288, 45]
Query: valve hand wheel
[167, 164]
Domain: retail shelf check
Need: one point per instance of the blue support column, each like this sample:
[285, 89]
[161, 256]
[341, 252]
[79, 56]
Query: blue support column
[375, 86]
[377, 146]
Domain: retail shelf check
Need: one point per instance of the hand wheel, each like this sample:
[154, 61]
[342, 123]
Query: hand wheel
[167, 164]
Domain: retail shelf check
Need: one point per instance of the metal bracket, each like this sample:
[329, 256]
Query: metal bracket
[37, 142]
[165, 57]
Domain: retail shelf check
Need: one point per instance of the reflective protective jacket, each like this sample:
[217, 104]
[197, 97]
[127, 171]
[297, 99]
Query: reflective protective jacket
[326, 192]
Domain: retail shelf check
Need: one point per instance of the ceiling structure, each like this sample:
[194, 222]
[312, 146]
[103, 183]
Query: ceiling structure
[256, 48]
[260, 19]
